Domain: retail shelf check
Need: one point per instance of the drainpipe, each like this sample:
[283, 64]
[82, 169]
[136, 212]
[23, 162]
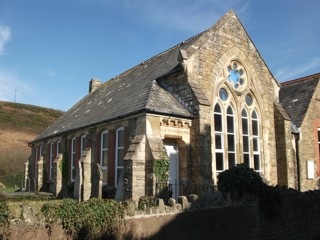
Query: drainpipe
[297, 137]
[296, 133]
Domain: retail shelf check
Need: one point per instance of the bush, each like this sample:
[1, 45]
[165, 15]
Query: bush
[4, 211]
[146, 201]
[161, 170]
[94, 219]
[239, 180]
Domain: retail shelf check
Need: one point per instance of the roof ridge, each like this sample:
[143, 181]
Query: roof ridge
[152, 58]
[300, 79]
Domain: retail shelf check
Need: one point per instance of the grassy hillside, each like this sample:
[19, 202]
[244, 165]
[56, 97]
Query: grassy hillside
[26, 117]
[19, 124]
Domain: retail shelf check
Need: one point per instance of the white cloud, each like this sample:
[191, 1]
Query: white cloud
[191, 16]
[5, 35]
[289, 73]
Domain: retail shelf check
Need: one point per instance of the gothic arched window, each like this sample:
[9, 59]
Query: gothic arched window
[256, 140]
[225, 138]
[231, 138]
[236, 119]
[219, 146]
[245, 137]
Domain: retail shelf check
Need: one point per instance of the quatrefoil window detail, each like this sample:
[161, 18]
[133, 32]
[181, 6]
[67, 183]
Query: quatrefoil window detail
[236, 75]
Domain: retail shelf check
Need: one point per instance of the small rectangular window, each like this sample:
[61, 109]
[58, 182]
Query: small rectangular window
[256, 163]
[231, 159]
[246, 159]
[255, 144]
[245, 126]
[218, 139]
[255, 131]
[230, 124]
[231, 143]
[219, 161]
[246, 143]
[217, 123]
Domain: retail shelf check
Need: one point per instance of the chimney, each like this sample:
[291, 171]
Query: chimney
[94, 84]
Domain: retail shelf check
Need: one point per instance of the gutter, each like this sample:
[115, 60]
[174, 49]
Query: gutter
[140, 111]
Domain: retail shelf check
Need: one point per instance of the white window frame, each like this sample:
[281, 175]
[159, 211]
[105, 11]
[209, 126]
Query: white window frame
[117, 167]
[50, 160]
[246, 135]
[40, 151]
[36, 162]
[57, 149]
[233, 134]
[220, 133]
[257, 137]
[73, 155]
[83, 144]
[102, 150]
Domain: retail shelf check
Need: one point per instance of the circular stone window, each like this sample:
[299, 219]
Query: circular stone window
[236, 75]
[249, 100]
[223, 94]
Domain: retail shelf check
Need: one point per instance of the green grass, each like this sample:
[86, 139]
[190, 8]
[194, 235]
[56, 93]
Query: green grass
[8, 190]
[19, 124]
[22, 116]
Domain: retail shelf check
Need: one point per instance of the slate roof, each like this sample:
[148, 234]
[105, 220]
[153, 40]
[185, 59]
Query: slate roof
[295, 96]
[135, 90]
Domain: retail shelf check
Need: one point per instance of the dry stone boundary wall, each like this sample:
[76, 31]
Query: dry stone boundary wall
[297, 216]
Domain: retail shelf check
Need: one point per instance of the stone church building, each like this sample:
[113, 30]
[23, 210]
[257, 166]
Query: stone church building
[205, 105]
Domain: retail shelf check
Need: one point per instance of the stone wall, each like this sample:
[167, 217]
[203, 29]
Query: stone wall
[206, 62]
[308, 143]
[293, 216]
[286, 164]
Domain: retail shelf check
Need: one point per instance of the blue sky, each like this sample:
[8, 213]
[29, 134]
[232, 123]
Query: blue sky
[50, 49]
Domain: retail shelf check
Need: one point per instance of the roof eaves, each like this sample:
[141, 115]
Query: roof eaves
[313, 76]
[89, 125]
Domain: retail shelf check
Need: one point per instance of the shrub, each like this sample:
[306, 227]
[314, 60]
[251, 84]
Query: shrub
[93, 219]
[146, 201]
[4, 211]
[161, 170]
[238, 180]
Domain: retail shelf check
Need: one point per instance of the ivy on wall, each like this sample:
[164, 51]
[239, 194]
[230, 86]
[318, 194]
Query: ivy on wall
[161, 170]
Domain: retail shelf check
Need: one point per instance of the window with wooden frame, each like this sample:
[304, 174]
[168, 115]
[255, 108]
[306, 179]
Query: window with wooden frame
[119, 154]
[73, 159]
[104, 152]
[83, 144]
[58, 149]
[51, 157]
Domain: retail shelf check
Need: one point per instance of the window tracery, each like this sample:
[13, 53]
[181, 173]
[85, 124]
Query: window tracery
[236, 121]
[236, 75]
